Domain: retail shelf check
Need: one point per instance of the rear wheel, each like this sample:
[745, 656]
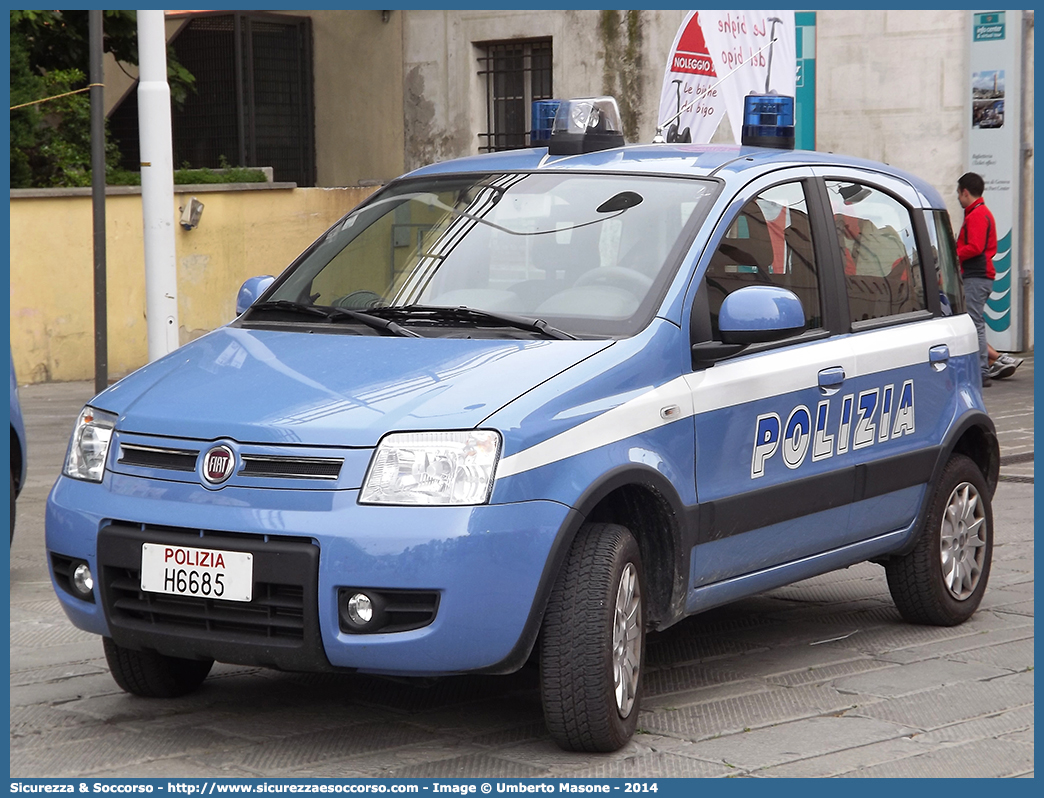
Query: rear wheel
[153, 675]
[942, 581]
[593, 644]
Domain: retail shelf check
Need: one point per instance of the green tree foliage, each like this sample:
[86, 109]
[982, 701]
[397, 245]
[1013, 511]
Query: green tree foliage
[50, 55]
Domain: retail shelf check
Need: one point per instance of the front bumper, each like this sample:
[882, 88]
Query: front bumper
[489, 565]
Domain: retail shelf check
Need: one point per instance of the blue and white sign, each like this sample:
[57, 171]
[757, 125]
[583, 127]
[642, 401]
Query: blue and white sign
[995, 152]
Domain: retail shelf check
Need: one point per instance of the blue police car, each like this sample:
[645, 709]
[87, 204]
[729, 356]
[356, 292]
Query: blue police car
[18, 447]
[535, 404]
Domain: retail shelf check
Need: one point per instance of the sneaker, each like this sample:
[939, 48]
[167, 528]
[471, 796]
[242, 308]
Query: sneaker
[986, 381]
[999, 370]
[1010, 360]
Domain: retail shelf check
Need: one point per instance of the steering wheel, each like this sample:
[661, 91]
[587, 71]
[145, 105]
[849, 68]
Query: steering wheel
[619, 277]
[359, 300]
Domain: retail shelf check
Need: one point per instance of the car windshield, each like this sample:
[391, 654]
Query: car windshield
[583, 254]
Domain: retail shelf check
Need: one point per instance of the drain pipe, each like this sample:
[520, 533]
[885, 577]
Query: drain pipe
[157, 186]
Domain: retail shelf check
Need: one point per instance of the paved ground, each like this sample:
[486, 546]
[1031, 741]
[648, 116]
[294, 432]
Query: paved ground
[820, 678]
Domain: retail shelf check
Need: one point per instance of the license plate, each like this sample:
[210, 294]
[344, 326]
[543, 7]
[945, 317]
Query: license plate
[203, 573]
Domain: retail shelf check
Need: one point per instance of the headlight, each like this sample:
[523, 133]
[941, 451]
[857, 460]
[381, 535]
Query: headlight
[89, 445]
[432, 468]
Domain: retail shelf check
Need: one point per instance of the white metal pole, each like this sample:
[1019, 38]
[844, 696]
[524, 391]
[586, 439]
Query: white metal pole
[157, 186]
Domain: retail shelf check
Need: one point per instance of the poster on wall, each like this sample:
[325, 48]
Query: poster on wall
[717, 58]
[994, 151]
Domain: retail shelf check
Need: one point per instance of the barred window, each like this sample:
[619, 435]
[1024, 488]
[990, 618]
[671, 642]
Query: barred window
[515, 73]
[252, 104]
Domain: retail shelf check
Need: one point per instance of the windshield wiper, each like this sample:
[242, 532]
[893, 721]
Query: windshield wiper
[332, 313]
[289, 305]
[461, 313]
[375, 322]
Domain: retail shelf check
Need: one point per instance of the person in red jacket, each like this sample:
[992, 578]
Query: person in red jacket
[976, 247]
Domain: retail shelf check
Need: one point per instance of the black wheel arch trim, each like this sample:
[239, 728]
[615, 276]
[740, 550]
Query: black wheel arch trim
[523, 648]
[623, 476]
[991, 473]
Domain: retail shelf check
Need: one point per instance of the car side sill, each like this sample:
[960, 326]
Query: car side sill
[737, 587]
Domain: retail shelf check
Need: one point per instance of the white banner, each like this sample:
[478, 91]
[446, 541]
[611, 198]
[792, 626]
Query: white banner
[690, 73]
[718, 57]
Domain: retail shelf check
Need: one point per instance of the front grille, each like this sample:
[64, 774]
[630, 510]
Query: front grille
[254, 465]
[277, 628]
[275, 612]
[291, 467]
[154, 457]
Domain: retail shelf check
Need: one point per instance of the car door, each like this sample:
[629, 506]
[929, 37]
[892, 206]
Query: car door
[771, 423]
[908, 352]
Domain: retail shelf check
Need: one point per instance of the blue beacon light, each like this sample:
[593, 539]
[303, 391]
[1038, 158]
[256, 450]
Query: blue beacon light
[543, 120]
[768, 121]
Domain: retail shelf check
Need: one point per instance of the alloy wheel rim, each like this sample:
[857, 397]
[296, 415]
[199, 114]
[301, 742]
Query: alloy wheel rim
[962, 545]
[627, 640]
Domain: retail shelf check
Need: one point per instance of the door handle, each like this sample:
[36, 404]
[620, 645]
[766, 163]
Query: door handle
[939, 357]
[830, 380]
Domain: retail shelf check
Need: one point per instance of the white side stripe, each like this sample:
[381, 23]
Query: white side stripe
[639, 415]
[772, 373]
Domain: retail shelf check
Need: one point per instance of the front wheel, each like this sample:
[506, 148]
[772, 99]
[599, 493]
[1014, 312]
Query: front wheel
[942, 581]
[154, 675]
[593, 645]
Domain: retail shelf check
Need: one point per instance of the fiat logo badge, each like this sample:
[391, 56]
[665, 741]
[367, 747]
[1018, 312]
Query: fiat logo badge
[218, 464]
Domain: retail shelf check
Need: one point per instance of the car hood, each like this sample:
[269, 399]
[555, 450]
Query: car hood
[283, 387]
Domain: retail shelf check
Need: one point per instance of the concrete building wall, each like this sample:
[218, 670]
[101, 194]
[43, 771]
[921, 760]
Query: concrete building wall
[358, 62]
[891, 85]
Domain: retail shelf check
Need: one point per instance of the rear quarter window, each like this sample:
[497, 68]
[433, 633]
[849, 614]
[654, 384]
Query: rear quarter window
[947, 267]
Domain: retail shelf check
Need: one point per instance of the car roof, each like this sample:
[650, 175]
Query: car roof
[729, 162]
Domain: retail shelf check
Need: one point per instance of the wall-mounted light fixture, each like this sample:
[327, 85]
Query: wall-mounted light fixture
[190, 213]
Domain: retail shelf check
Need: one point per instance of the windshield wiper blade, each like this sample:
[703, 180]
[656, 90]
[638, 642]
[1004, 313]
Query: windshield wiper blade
[291, 306]
[331, 313]
[375, 322]
[465, 314]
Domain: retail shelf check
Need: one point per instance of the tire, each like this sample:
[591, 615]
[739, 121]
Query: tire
[942, 581]
[153, 675]
[593, 642]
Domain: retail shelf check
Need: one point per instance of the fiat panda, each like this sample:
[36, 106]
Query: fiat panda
[534, 404]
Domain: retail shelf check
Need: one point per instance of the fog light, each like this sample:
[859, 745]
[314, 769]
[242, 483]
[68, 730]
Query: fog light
[82, 580]
[360, 609]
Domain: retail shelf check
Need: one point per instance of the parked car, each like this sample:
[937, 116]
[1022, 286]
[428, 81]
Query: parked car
[533, 404]
[18, 447]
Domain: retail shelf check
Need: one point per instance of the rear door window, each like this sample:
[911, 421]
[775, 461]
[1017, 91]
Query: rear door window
[879, 253]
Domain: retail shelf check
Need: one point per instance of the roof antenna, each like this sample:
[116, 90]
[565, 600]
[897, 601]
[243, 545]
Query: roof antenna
[772, 40]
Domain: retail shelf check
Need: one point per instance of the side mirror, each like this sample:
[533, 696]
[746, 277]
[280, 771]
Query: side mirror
[250, 291]
[758, 314]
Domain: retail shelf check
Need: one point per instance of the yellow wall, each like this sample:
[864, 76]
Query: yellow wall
[242, 233]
